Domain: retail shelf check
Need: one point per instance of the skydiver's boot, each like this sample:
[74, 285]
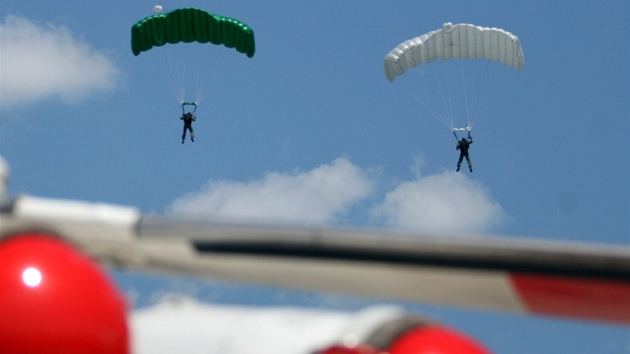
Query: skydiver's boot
[458, 166]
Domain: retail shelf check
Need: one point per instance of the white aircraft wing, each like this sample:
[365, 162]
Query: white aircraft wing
[588, 281]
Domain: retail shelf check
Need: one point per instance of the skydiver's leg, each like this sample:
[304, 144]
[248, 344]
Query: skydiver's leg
[469, 162]
[459, 162]
[184, 134]
[192, 134]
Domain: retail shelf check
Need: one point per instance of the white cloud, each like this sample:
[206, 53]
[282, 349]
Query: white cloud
[317, 196]
[448, 201]
[40, 62]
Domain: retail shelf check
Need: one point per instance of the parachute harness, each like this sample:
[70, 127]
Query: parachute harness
[455, 130]
[189, 104]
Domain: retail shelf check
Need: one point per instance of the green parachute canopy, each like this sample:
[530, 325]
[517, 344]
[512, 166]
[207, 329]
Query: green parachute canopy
[191, 25]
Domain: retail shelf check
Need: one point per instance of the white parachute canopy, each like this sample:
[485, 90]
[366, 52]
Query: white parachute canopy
[455, 41]
[443, 94]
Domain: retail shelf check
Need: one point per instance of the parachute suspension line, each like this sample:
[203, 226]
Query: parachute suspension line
[465, 89]
[472, 116]
[444, 114]
[201, 83]
[207, 74]
[175, 77]
[435, 114]
[164, 65]
[204, 80]
[182, 73]
[183, 55]
[449, 104]
[439, 117]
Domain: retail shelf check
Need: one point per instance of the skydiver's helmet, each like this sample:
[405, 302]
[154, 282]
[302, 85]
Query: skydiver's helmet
[463, 140]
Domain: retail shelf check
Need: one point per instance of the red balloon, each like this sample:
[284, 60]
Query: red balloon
[436, 339]
[54, 299]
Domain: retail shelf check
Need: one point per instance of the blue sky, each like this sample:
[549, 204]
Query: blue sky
[310, 130]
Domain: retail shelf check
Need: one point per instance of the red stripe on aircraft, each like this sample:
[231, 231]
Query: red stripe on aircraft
[592, 299]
